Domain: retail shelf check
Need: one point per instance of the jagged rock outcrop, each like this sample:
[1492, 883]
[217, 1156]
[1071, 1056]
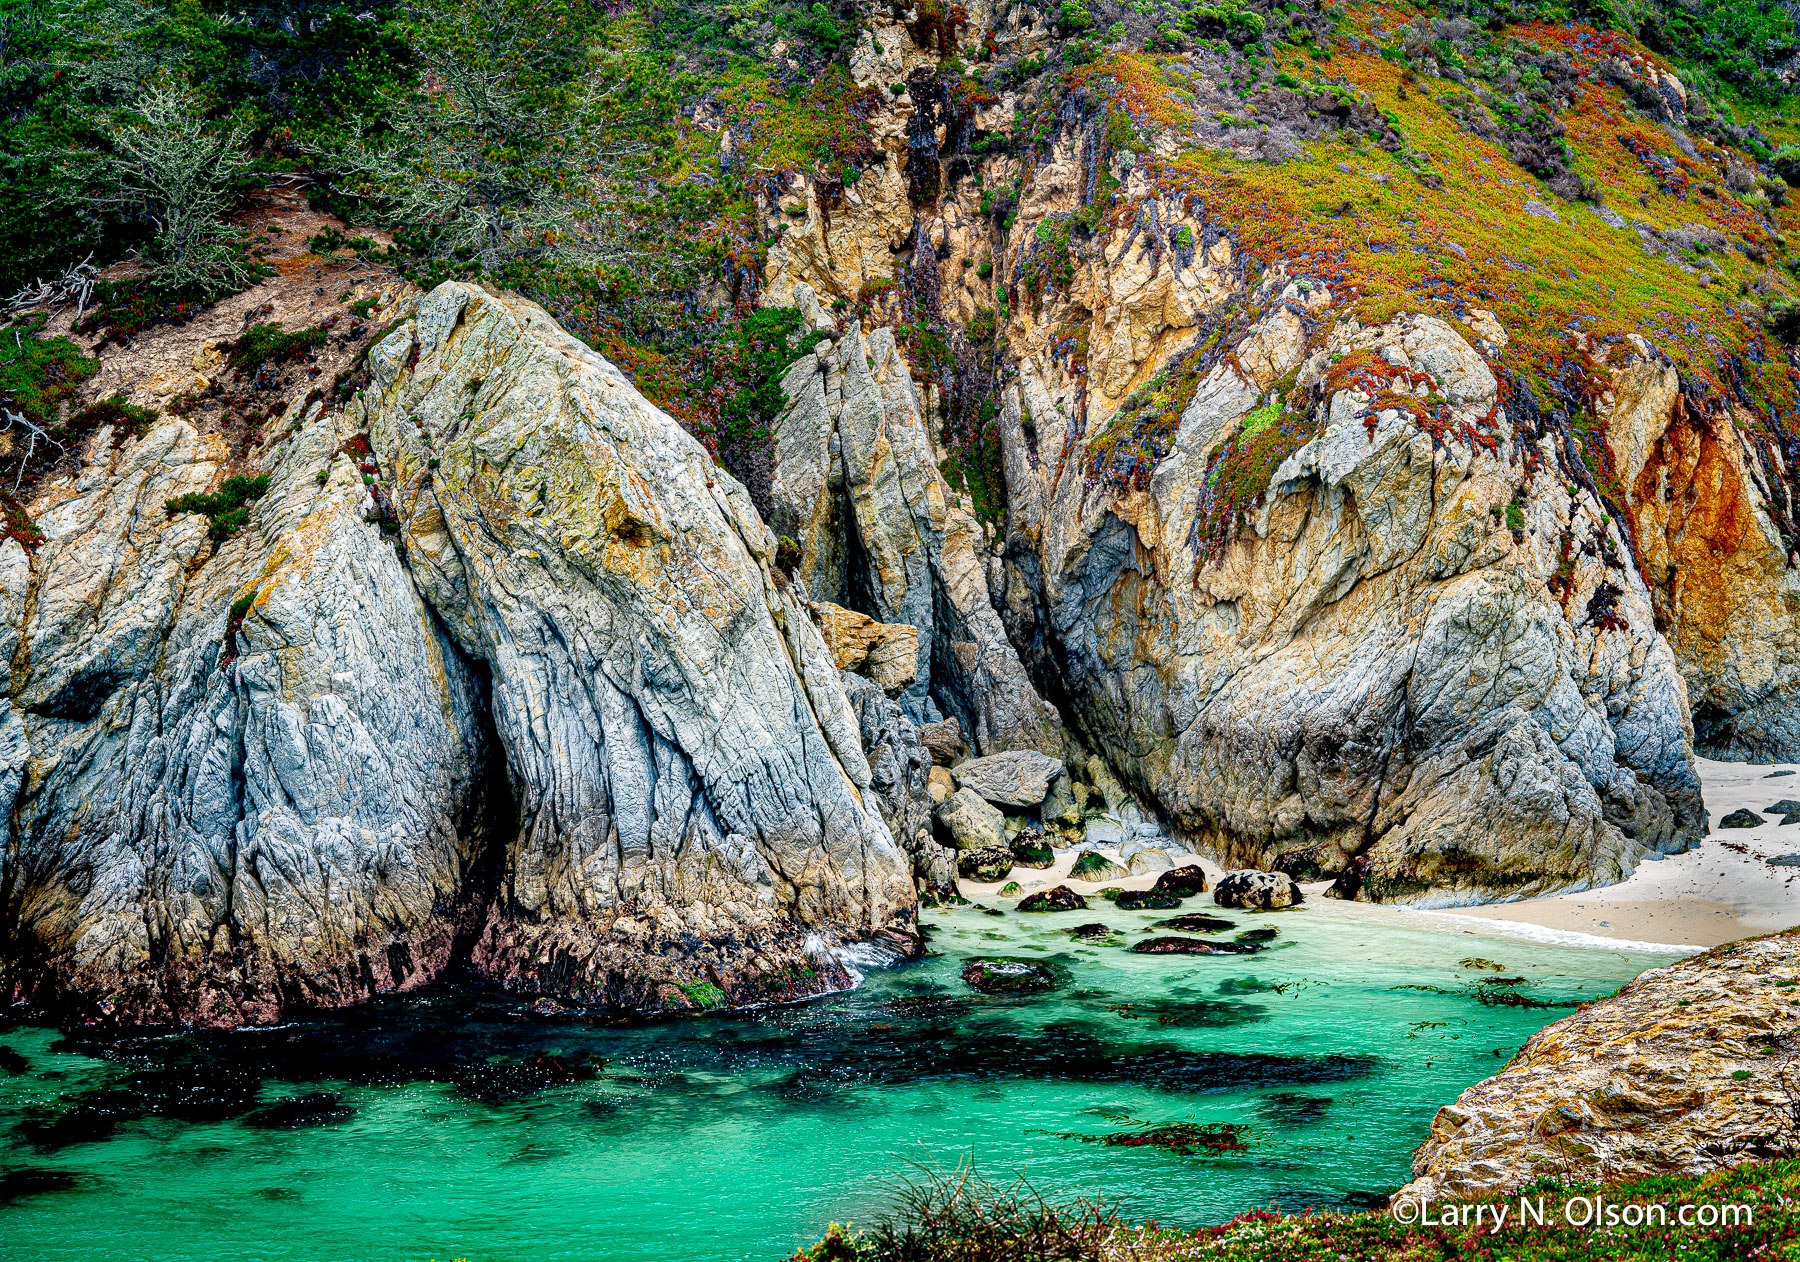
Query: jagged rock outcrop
[857, 486]
[900, 770]
[1688, 1069]
[693, 801]
[557, 717]
[1354, 607]
[1708, 494]
[1392, 671]
[254, 777]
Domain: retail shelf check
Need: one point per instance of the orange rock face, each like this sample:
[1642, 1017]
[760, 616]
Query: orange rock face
[1718, 567]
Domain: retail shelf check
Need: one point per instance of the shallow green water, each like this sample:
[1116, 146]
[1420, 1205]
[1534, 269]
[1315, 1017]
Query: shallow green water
[458, 1126]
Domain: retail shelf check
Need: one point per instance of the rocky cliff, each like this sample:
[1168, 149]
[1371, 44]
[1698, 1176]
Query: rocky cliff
[498, 672]
[1688, 1069]
[1333, 584]
[1362, 449]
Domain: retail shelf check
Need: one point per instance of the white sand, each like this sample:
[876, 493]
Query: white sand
[1718, 891]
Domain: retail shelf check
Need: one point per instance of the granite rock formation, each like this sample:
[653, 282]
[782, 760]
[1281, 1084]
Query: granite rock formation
[498, 670]
[1688, 1069]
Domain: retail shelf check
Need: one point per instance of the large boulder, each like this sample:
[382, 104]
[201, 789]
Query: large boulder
[1008, 977]
[690, 794]
[885, 652]
[1019, 778]
[969, 822]
[985, 863]
[1260, 891]
[1184, 882]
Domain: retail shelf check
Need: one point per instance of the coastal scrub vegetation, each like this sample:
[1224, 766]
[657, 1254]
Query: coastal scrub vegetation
[958, 1216]
[627, 166]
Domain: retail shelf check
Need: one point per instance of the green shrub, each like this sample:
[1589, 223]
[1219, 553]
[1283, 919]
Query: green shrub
[1787, 164]
[1074, 17]
[228, 508]
[265, 342]
[39, 373]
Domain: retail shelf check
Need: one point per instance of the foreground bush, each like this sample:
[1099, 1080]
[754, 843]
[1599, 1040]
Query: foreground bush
[958, 1217]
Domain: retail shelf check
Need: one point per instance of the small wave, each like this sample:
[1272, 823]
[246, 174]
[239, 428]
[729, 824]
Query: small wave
[857, 958]
[1555, 937]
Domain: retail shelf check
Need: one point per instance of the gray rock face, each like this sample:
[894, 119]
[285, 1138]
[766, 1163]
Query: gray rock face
[253, 776]
[692, 796]
[1251, 889]
[855, 476]
[900, 776]
[970, 822]
[1019, 778]
[1374, 678]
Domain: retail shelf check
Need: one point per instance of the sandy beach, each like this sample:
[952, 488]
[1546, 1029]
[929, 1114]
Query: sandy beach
[1723, 889]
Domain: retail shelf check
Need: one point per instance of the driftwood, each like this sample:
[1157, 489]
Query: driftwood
[74, 285]
[35, 433]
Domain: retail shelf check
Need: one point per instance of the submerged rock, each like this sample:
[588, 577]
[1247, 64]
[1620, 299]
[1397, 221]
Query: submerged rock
[1008, 977]
[1196, 924]
[1095, 932]
[1056, 898]
[1178, 946]
[1146, 900]
[1249, 888]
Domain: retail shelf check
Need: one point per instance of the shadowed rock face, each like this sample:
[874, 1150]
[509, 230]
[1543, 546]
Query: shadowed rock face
[692, 796]
[857, 485]
[250, 780]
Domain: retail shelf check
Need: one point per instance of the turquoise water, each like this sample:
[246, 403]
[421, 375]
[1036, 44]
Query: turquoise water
[459, 1126]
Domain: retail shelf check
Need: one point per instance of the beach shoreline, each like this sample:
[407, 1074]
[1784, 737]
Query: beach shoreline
[1718, 891]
